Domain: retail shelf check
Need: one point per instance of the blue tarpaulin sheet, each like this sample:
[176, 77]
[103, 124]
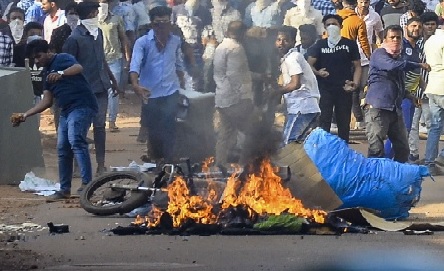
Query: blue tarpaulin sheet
[377, 183]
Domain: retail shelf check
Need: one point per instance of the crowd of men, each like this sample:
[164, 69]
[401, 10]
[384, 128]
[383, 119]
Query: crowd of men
[380, 61]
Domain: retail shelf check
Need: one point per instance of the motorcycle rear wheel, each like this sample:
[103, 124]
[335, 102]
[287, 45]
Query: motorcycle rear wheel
[99, 198]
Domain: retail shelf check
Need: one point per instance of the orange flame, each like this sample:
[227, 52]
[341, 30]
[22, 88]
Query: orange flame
[206, 164]
[266, 195]
[182, 205]
[263, 192]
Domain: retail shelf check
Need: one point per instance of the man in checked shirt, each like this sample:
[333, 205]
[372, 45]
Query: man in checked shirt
[6, 46]
[430, 23]
[325, 6]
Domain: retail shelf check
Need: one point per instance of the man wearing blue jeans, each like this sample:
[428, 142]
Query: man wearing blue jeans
[433, 49]
[116, 47]
[65, 82]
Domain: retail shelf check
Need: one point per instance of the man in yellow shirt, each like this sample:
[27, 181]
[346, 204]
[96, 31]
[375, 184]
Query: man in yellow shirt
[353, 27]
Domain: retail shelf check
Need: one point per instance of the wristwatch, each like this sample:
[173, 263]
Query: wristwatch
[61, 73]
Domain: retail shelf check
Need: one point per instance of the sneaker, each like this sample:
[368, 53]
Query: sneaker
[435, 170]
[81, 188]
[439, 160]
[58, 196]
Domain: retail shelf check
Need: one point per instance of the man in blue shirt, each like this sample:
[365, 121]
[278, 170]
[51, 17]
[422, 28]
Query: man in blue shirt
[35, 13]
[65, 82]
[156, 74]
[386, 90]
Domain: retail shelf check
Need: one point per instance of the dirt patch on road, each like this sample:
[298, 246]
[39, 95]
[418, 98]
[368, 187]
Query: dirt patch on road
[17, 207]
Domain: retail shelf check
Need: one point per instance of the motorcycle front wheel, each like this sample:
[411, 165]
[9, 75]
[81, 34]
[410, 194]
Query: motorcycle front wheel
[100, 197]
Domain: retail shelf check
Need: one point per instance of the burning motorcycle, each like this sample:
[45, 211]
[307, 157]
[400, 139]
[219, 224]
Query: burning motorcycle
[122, 191]
[182, 194]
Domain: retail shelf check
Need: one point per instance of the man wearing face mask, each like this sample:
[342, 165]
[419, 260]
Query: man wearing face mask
[14, 30]
[31, 31]
[116, 47]
[16, 23]
[385, 93]
[86, 45]
[336, 63]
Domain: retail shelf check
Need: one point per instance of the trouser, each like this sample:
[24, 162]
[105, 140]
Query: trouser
[380, 123]
[408, 109]
[113, 100]
[159, 116]
[232, 120]
[298, 125]
[99, 123]
[436, 104]
[341, 101]
[423, 111]
[56, 112]
[358, 94]
[71, 142]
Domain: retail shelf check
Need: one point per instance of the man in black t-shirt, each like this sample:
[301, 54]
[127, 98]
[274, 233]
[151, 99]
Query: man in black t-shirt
[336, 63]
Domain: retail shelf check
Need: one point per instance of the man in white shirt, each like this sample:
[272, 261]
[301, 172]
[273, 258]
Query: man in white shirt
[234, 94]
[299, 87]
[55, 17]
[433, 50]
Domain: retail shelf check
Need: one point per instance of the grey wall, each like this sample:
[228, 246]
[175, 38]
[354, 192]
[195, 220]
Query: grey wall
[20, 147]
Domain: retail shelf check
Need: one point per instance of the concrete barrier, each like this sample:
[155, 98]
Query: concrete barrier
[20, 147]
